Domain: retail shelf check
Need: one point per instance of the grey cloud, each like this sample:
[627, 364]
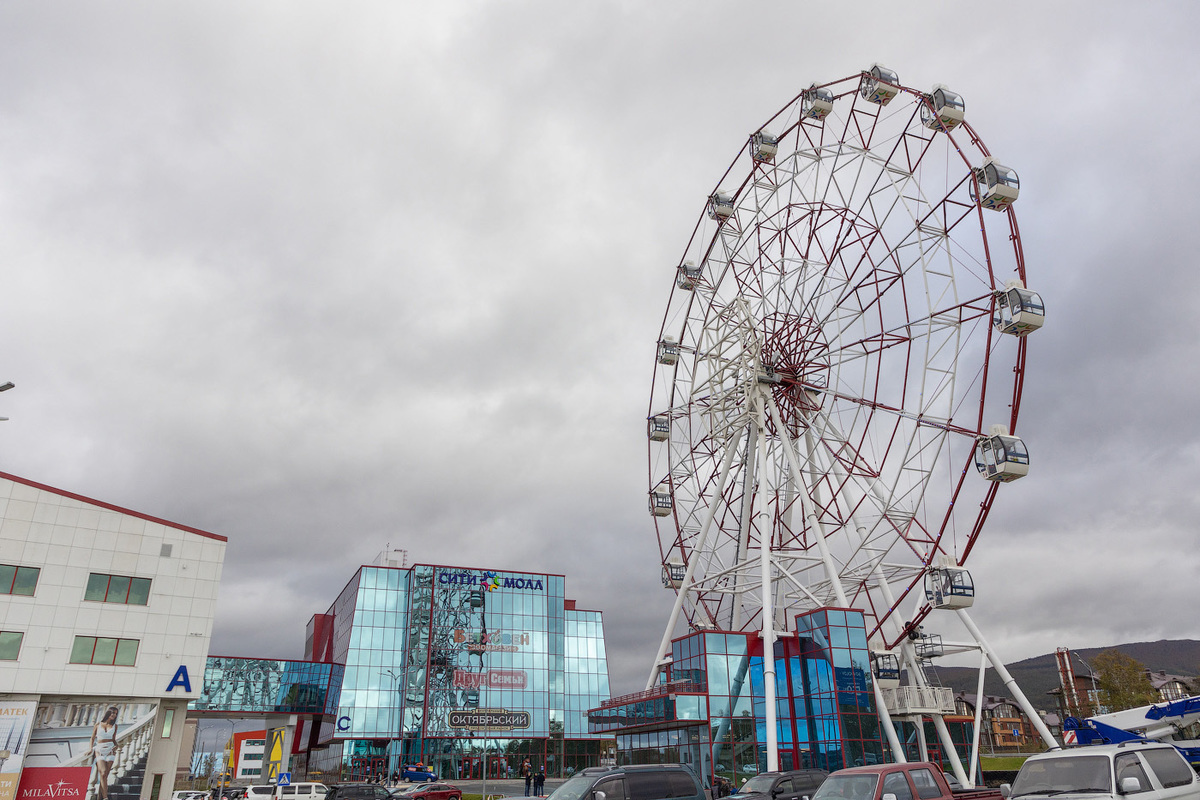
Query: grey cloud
[321, 279]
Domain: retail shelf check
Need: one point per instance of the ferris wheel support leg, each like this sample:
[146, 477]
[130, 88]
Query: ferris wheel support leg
[1002, 671]
[814, 522]
[889, 730]
[765, 529]
[978, 719]
[922, 742]
[948, 743]
[691, 568]
[744, 524]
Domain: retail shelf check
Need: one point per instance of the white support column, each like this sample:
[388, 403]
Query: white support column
[1011, 684]
[681, 593]
[978, 718]
[744, 524]
[889, 730]
[943, 732]
[765, 531]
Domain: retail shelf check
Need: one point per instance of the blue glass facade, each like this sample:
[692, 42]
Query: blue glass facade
[710, 710]
[462, 669]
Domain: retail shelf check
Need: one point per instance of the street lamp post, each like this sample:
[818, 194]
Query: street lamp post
[225, 761]
[1095, 704]
[4, 387]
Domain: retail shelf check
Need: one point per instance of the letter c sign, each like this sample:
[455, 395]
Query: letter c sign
[343, 723]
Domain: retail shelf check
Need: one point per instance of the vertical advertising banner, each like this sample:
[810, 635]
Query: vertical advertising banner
[273, 756]
[16, 724]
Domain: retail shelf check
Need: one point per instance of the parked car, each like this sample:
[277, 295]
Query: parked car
[919, 780]
[633, 782]
[189, 794]
[1150, 770]
[797, 784]
[303, 790]
[358, 791]
[417, 772]
[428, 791]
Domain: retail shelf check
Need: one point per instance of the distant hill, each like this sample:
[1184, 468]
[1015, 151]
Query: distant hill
[1039, 675]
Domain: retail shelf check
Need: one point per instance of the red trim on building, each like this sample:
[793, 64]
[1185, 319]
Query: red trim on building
[111, 507]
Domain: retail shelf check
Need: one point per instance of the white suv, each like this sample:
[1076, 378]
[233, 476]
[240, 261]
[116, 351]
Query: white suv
[1141, 770]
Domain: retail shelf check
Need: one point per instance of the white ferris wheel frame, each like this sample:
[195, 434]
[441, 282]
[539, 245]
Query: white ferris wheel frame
[811, 399]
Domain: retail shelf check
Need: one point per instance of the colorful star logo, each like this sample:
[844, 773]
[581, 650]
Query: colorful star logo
[489, 581]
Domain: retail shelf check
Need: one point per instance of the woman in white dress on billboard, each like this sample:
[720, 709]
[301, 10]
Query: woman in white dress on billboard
[104, 749]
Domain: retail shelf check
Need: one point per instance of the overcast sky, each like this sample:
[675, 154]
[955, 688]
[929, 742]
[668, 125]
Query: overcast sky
[326, 278]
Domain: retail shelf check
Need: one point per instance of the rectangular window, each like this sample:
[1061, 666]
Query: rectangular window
[117, 589]
[168, 720]
[18, 580]
[104, 650]
[1169, 766]
[156, 787]
[10, 645]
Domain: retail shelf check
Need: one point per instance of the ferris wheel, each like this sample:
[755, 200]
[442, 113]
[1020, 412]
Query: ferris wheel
[840, 367]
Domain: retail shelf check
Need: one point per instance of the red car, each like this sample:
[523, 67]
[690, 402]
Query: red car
[430, 791]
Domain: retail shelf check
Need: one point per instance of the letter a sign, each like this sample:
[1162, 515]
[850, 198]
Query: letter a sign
[273, 758]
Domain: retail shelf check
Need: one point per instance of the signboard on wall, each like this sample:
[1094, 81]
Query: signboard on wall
[54, 783]
[16, 725]
[94, 736]
[272, 765]
[489, 719]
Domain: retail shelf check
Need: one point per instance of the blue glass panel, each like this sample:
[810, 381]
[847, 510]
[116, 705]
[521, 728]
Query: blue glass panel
[756, 676]
[858, 637]
[735, 645]
[839, 637]
[718, 674]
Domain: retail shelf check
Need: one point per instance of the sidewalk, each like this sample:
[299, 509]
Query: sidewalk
[505, 787]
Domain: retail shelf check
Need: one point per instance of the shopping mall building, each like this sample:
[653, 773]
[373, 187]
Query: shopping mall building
[709, 710]
[458, 668]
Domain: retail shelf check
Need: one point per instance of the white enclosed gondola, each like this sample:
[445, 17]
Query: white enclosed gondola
[885, 669]
[816, 103]
[998, 185]
[879, 85]
[949, 587]
[660, 504]
[658, 428]
[764, 145]
[687, 276]
[720, 205]
[672, 574]
[1001, 457]
[943, 109]
[668, 350]
[1018, 310]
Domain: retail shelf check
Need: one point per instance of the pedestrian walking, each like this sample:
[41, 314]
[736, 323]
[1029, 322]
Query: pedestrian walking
[528, 781]
[539, 781]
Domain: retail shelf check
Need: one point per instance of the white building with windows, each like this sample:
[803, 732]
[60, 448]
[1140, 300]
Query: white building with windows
[105, 620]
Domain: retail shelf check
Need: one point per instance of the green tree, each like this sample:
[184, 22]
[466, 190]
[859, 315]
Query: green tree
[1122, 681]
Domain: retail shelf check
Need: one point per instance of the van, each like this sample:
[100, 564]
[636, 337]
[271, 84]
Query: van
[293, 791]
[633, 782]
